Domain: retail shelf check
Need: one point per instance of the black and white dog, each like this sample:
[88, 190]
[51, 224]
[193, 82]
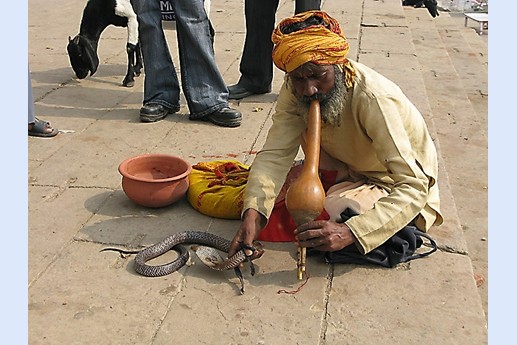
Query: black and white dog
[97, 16]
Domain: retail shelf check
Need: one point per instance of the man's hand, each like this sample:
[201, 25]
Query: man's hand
[251, 225]
[324, 235]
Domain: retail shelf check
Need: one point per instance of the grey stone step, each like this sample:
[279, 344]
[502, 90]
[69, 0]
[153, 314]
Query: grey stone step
[456, 81]
[478, 43]
[468, 52]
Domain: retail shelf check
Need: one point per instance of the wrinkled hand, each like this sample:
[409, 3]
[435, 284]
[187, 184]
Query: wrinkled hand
[252, 224]
[324, 235]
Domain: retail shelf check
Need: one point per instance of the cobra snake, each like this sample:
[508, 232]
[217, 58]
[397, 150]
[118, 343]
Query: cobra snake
[205, 248]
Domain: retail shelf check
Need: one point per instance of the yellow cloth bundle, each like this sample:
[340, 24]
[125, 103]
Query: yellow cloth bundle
[217, 188]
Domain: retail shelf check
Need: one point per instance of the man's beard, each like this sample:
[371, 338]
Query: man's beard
[331, 103]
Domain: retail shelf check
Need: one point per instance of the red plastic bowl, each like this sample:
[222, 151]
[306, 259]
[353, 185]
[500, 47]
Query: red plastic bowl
[155, 180]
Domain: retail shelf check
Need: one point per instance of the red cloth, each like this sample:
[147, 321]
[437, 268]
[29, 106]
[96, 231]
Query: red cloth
[281, 225]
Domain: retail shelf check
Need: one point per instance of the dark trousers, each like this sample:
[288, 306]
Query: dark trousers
[306, 5]
[256, 64]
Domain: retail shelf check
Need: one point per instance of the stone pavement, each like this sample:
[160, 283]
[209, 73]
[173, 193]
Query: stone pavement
[78, 295]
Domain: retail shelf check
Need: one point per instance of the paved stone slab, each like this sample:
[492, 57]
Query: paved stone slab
[189, 139]
[450, 68]
[397, 306]
[346, 15]
[383, 13]
[50, 231]
[120, 221]
[386, 39]
[471, 66]
[260, 316]
[88, 297]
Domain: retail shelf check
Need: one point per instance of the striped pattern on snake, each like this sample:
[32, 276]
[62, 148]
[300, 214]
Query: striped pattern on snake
[175, 242]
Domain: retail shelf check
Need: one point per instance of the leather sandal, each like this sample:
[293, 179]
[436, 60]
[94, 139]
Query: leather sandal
[39, 128]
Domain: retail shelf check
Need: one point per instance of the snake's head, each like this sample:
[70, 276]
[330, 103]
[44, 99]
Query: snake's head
[257, 251]
[253, 253]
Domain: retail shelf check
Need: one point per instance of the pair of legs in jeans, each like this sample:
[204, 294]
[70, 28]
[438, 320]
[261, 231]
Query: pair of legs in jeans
[201, 81]
[256, 65]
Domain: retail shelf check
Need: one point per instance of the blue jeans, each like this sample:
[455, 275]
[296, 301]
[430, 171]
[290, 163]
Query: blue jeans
[201, 81]
[32, 116]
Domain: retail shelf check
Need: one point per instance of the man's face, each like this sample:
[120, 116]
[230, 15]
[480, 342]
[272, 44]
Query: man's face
[311, 81]
[324, 83]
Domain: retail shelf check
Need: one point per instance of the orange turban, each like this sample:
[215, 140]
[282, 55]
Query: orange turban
[322, 45]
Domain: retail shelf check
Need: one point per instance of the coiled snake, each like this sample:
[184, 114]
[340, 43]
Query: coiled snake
[208, 255]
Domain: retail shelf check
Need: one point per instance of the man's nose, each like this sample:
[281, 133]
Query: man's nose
[309, 89]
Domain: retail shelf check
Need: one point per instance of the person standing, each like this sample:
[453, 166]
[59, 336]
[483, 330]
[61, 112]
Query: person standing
[201, 81]
[256, 65]
[38, 127]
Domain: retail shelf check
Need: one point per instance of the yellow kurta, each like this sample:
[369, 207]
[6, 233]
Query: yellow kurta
[382, 136]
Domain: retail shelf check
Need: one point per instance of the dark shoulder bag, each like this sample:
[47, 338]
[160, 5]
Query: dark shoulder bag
[399, 248]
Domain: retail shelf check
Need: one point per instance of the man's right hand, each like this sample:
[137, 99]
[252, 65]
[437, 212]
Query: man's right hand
[252, 223]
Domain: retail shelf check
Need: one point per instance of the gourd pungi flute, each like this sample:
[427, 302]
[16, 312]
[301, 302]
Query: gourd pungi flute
[305, 199]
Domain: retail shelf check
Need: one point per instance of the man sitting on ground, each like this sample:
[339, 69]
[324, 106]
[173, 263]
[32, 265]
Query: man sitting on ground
[376, 156]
